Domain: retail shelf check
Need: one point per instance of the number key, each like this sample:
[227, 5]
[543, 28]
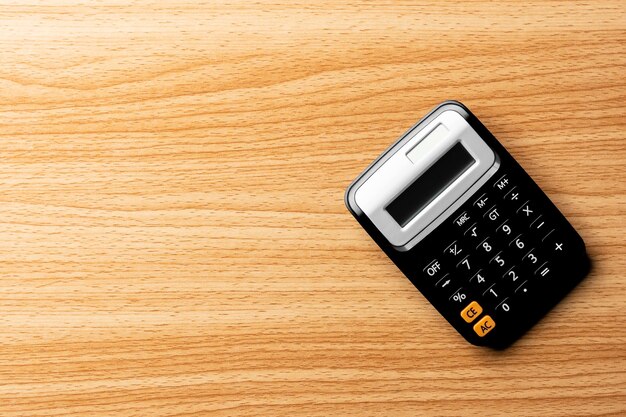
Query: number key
[480, 280]
[466, 264]
[531, 257]
[499, 260]
[505, 228]
[493, 294]
[512, 275]
[485, 246]
[504, 307]
[518, 242]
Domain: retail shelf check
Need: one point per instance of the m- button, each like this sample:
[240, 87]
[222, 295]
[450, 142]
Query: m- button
[471, 312]
[481, 202]
[484, 326]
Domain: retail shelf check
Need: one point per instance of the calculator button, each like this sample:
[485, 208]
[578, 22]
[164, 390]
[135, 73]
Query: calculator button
[543, 271]
[480, 280]
[539, 224]
[481, 202]
[471, 312]
[462, 219]
[506, 228]
[459, 296]
[502, 183]
[527, 211]
[523, 288]
[499, 260]
[504, 306]
[466, 264]
[473, 232]
[547, 235]
[444, 282]
[512, 275]
[554, 244]
[513, 195]
[485, 246]
[484, 326]
[532, 258]
[519, 242]
[493, 213]
[493, 293]
[454, 249]
[554, 241]
[522, 293]
[433, 269]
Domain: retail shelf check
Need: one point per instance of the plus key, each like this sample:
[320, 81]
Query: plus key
[554, 243]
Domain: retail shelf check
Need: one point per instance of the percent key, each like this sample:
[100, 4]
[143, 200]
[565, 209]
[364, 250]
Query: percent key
[458, 296]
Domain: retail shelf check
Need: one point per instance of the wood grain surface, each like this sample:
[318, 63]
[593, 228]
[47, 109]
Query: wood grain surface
[174, 240]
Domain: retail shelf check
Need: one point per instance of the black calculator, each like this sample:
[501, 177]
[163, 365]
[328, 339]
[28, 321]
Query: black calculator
[469, 227]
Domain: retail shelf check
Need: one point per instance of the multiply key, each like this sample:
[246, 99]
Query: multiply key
[526, 211]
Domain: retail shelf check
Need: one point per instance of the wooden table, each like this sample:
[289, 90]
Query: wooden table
[174, 236]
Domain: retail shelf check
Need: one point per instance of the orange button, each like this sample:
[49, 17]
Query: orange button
[471, 312]
[484, 326]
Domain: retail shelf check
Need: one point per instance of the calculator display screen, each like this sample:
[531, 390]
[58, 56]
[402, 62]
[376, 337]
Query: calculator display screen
[430, 184]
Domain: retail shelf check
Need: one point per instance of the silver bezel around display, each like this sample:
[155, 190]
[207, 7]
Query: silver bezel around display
[409, 162]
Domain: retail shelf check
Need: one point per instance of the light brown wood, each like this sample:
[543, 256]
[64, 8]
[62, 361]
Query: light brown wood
[174, 237]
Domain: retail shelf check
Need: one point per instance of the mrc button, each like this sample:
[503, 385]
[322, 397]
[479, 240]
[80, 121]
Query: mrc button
[462, 219]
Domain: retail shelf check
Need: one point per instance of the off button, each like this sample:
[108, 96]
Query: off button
[433, 269]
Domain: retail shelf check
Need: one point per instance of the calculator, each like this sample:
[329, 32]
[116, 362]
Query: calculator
[468, 227]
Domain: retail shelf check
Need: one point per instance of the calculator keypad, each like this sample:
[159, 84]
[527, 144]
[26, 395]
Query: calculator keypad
[501, 248]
